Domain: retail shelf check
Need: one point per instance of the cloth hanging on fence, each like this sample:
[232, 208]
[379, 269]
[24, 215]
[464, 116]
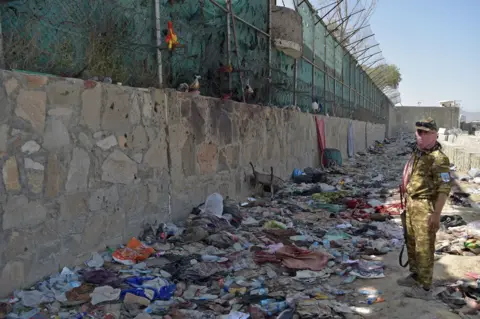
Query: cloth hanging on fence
[320, 123]
[350, 144]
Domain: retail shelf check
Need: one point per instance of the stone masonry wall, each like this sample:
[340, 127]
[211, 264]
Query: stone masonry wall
[85, 164]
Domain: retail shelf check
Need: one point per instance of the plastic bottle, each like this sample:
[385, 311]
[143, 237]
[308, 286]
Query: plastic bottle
[227, 283]
[214, 205]
[259, 292]
[274, 307]
[326, 243]
[210, 258]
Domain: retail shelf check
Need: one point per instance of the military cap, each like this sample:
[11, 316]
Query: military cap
[427, 124]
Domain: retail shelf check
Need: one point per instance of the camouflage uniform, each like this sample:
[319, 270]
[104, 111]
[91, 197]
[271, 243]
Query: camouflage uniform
[430, 177]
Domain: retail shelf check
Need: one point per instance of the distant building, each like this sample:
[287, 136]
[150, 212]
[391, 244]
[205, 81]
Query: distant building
[450, 103]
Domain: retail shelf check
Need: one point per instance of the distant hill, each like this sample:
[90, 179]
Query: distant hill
[471, 116]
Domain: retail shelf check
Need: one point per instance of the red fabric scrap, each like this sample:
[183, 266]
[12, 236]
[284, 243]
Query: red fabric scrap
[390, 209]
[294, 258]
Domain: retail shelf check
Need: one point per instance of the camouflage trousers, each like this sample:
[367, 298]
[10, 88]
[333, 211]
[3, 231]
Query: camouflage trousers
[420, 240]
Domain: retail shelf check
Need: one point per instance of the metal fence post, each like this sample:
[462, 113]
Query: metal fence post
[295, 71]
[159, 42]
[229, 49]
[270, 5]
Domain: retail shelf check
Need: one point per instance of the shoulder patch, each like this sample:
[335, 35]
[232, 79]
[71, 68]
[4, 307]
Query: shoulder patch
[445, 177]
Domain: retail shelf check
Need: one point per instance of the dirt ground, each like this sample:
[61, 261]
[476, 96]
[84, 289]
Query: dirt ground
[396, 306]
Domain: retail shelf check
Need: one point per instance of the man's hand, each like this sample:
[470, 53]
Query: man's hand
[434, 222]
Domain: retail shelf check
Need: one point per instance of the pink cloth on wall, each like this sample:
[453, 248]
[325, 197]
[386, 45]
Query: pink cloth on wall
[320, 124]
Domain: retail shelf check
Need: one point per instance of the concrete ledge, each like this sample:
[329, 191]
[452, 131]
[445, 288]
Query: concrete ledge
[463, 159]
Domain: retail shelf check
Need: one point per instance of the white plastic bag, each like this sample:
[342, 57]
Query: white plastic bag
[473, 229]
[214, 205]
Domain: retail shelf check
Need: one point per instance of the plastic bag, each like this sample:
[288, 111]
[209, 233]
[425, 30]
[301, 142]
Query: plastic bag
[214, 205]
[134, 252]
[473, 229]
[273, 224]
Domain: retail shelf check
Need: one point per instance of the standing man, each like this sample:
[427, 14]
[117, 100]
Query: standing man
[427, 183]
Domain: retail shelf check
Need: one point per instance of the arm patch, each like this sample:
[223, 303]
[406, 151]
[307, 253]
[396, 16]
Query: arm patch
[445, 177]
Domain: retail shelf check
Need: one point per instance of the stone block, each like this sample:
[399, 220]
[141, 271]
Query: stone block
[138, 157]
[222, 124]
[74, 206]
[185, 107]
[30, 147]
[135, 116]
[133, 198]
[85, 141]
[115, 224]
[207, 158]
[188, 159]
[116, 113]
[197, 121]
[92, 107]
[64, 113]
[55, 176]
[47, 249]
[104, 199]
[11, 175]
[147, 109]
[19, 243]
[19, 213]
[138, 140]
[94, 232]
[232, 154]
[3, 138]
[31, 107]
[65, 92]
[35, 181]
[11, 85]
[78, 173]
[159, 103]
[12, 277]
[122, 141]
[156, 156]
[30, 164]
[36, 81]
[56, 135]
[72, 244]
[107, 143]
[152, 193]
[119, 168]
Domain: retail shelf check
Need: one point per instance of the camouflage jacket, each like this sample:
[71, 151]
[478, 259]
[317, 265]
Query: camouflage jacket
[430, 175]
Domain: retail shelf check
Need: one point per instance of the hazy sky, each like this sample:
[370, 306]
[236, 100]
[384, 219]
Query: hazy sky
[436, 45]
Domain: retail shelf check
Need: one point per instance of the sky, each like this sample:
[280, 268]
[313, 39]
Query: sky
[436, 45]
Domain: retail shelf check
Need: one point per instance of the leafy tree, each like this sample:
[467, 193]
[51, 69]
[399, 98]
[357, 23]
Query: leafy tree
[386, 75]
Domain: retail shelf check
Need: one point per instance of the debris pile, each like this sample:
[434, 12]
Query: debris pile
[293, 256]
